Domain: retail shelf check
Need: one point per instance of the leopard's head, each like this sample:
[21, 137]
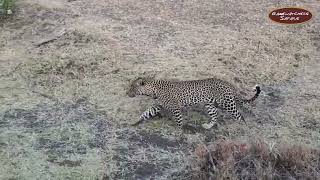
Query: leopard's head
[141, 86]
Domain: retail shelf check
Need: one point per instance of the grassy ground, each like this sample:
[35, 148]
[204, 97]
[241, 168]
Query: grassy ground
[65, 67]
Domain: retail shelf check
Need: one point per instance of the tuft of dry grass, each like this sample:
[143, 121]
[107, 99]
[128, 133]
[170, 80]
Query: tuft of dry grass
[230, 159]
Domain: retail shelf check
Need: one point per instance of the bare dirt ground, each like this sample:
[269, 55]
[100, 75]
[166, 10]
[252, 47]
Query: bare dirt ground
[65, 67]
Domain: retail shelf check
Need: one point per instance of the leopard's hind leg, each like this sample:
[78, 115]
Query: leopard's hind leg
[229, 104]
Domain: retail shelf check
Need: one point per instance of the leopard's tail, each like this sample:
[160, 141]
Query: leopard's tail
[256, 95]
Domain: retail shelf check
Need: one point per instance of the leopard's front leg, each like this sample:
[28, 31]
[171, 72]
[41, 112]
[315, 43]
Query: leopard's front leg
[149, 113]
[212, 112]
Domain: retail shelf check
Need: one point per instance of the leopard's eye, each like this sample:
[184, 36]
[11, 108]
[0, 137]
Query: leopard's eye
[142, 83]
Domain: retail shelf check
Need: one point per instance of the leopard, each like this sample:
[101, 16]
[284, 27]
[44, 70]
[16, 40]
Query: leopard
[173, 95]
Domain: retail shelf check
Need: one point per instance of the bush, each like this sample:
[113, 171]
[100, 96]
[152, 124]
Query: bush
[256, 160]
[6, 7]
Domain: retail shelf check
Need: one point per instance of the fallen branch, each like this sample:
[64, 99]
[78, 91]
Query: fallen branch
[50, 39]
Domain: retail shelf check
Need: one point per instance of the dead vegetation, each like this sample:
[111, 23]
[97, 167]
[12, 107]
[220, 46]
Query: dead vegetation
[229, 159]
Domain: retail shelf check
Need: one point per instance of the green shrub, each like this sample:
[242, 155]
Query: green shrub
[6, 7]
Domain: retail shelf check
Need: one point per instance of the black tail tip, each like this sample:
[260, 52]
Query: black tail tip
[258, 89]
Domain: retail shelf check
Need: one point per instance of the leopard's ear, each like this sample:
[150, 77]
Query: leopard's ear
[139, 81]
[136, 81]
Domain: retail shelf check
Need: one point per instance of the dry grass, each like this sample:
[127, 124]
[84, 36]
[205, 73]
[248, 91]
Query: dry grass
[65, 67]
[229, 159]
